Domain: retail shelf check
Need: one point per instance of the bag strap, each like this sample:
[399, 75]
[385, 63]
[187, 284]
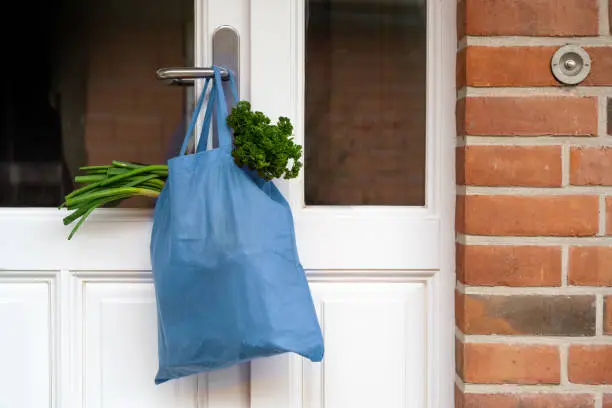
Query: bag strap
[225, 139]
[232, 82]
[203, 141]
[194, 117]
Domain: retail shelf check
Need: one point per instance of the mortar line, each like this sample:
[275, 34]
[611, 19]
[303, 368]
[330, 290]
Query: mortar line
[602, 116]
[460, 287]
[459, 382]
[557, 191]
[460, 238]
[459, 334]
[523, 41]
[537, 290]
[599, 314]
[526, 92]
[536, 340]
[598, 400]
[522, 388]
[563, 355]
[462, 43]
[601, 211]
[538, 140]
[564, 265]
[604, 23]
[467, 239]
[565, 165]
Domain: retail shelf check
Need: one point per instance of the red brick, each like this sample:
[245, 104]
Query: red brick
[460, 110]
[461, 19]
[527, 215]
[532, 17]
[508, 66]
[590, 266]
[607, 398]
[459, 357]
[460, 165]
[528, 401]
[608, 315]
[459, 309]
[527, 315]
[591, 166]
[525, 66]
[461, 69]
[511, 364]
[529, 166]
[590, 364]
[529, 116]
[489, 265]
[601, 66]
[458, 398]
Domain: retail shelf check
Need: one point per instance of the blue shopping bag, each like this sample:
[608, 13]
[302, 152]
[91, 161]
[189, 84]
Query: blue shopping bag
[228, 281]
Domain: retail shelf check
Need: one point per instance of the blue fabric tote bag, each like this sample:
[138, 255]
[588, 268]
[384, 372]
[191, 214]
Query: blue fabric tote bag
[228, 281]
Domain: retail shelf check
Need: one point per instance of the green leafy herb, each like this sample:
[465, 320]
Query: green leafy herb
[262, 146]
[109, 185]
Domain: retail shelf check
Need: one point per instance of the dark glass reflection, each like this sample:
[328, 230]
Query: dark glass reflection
[365, 102]
[79, 87]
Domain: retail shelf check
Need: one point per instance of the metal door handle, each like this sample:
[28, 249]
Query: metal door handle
[186, 75]
[225, 53]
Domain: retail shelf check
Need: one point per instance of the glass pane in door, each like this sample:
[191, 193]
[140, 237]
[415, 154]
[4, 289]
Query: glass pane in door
[81, 90]
[365, 102]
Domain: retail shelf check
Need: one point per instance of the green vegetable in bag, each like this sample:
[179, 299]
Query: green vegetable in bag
[264, 147]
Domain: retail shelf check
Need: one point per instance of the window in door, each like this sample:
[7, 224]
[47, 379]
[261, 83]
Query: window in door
[81, 90]
[365, 104]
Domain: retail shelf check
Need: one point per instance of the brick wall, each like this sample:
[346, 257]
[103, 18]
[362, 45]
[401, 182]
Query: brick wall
[534, 208]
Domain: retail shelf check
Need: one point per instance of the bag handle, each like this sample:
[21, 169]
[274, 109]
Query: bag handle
[194, 117]
[216, 95]
[225, 139]
[203, 141]
[232, 82]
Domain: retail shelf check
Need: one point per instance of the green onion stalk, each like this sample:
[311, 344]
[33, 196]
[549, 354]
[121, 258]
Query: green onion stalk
[260, 145]
[109, 185]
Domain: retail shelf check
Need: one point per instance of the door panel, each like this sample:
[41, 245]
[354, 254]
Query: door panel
[120, 345]
[26, 344]
[352, 227]
[375, 337]
[375, 329]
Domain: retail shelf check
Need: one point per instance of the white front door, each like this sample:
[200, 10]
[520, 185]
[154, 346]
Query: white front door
[369, 86]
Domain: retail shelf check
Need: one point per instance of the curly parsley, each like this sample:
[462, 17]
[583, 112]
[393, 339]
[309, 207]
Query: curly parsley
[262, 146]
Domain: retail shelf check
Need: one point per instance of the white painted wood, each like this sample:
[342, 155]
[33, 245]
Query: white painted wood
[375, 334]
[376, 325]
[85, 332]
[401, 240]
[372, 237]
[25, 344]
[120, 345]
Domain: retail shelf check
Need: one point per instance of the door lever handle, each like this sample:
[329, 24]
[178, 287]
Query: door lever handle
[225, 53]
[186, 75]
